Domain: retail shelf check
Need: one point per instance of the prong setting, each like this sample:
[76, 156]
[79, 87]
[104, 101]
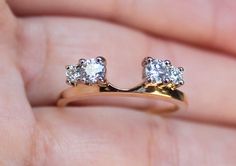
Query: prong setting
[147, 60]
[166, 81]
[181, 69]
[68, 67]
[181, 82]
[167, 62]
[87, 71]
[68, 82]
[162, 72]
[82, 61]
[149, 80]
[72, 75]
[101, 60]
[74, 83]
[101, 80]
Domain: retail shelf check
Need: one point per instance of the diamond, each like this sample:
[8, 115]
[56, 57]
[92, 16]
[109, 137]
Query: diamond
[176, 76]
[156, 71]
[92, 71]
[162, 72]
[72, 74]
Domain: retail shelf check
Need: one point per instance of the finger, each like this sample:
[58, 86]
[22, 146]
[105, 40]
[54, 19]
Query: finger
[50, 44]
[16, 117]
[208, 22]
[108, 136]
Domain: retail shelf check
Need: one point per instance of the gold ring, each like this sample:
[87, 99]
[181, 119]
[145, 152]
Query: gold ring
[158, 90]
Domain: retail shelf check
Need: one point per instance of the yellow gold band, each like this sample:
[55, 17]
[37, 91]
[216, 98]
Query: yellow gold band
[158, 99]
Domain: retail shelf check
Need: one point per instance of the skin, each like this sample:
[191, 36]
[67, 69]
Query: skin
[40, 38]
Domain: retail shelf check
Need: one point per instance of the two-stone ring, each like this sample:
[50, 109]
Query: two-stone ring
[158, 89]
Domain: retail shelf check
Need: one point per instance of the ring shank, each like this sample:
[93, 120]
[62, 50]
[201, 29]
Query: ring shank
[156, 99]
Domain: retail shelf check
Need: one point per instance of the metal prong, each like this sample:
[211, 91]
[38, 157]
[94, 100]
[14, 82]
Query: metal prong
[87, 83]
[68, 82]
[101, 80]
[148, 80]
[181, 82]
[83, 80]
[68, 67]
[181, 69]
[82, 61]
[101, 59]
[167, 62]
[146, 61]
[74, 84]
[71, 83]
[166, 81]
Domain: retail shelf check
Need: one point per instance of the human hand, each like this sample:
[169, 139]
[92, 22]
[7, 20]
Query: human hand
[46, 35]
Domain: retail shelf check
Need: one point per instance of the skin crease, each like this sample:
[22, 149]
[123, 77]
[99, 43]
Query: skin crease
[210, 22]
[34, 132]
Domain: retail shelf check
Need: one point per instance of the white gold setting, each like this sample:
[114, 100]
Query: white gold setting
[87, 71]
[162, 72]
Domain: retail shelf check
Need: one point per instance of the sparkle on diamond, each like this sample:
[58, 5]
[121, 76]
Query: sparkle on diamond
[156, 71]
[176, 76]
[72, 74]
[92, 71]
